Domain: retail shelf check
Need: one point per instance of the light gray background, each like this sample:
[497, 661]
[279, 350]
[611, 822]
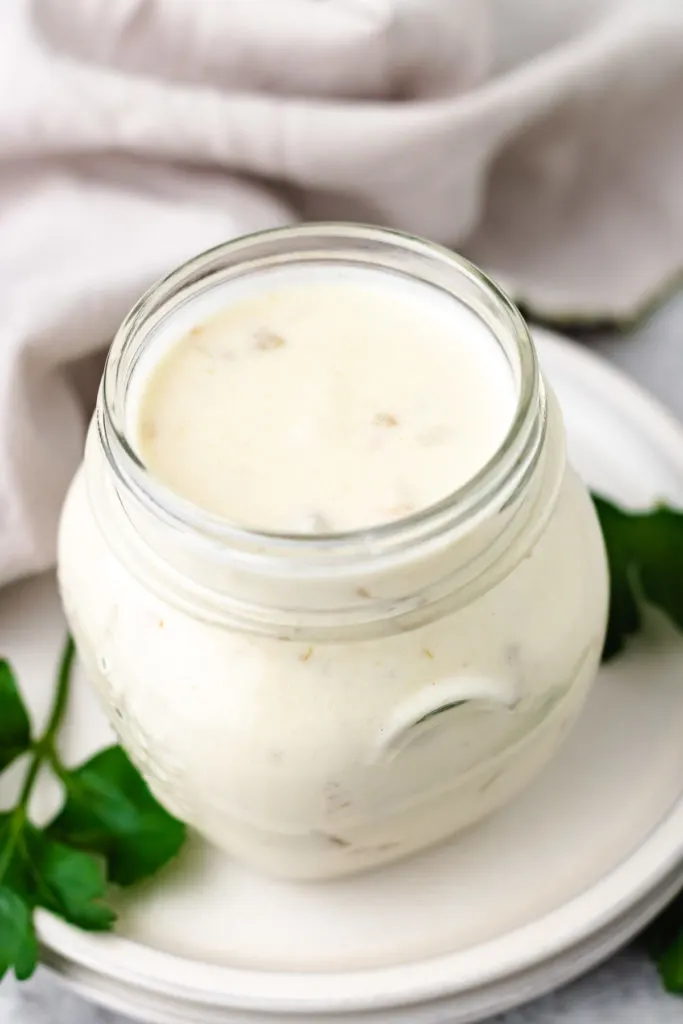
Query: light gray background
[625, 990]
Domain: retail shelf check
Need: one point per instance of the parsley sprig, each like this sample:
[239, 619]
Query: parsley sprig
[109, 829]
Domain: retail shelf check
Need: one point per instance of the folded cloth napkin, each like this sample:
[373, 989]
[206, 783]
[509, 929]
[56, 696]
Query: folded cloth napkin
[541, 138]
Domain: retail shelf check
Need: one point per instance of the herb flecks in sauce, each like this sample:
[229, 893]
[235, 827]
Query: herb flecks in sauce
[267, 340]
[385, 419]
[148, 431]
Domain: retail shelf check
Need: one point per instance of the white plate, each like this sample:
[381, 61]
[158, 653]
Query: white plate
[470, 1006]
[523, 901]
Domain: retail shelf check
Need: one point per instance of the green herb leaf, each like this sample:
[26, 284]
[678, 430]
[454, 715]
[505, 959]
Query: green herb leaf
[663, 940]
[15, 728]
[76, 885]
[670, 966]
[109, 817]
[46, 874]
[645, 557]
[17, 871]
[109, 810]
[18, 945]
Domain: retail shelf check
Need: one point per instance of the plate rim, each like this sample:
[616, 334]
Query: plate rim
[502, 996]
[447, 975]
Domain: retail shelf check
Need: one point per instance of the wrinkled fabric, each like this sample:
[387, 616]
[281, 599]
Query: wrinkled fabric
[541, 139]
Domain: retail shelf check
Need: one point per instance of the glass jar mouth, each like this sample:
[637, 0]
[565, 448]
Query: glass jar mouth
[360, 245]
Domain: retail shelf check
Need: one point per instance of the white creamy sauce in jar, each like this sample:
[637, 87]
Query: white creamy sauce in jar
[312, 401]
[323, 405]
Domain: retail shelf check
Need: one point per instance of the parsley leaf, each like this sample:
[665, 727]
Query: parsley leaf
[670, 965]
[15, 728]
[645, 558]
[109, 809]
[18, 944]
[75, 887]
[663, 940]
[109, 829]
[46, 874]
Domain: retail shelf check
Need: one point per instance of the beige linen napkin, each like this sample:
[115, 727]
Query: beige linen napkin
[541, 137]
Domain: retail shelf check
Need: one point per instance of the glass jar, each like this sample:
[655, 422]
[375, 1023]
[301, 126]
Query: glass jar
[317, 705]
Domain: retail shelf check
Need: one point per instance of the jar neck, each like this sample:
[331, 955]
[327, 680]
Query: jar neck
[392, 577]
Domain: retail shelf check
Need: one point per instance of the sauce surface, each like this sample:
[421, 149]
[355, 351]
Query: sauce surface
[325, 406]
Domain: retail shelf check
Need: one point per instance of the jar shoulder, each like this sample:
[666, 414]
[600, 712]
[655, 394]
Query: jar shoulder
[547, 608]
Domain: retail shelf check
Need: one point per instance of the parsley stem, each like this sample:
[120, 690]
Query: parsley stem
[43, 750]
[16, 825]
[44, 747]
[62, 694]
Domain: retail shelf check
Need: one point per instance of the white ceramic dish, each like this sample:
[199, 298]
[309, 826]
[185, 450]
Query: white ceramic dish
[468, 1007]
[519, 904]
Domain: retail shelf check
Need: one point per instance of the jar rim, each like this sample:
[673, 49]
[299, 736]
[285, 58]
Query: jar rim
[361, 244]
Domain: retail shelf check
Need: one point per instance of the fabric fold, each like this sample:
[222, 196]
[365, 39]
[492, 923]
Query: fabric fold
[541, 140]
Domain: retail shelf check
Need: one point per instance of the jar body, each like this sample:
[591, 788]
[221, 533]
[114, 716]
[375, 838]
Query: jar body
[314, 759]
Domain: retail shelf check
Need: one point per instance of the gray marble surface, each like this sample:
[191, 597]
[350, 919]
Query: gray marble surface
[623, 991]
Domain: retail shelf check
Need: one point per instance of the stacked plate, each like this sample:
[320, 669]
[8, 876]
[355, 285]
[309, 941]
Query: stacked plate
[519, 904]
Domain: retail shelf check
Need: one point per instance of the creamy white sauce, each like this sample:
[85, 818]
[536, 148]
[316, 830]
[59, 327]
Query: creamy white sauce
[312, 759]
[325, 405]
